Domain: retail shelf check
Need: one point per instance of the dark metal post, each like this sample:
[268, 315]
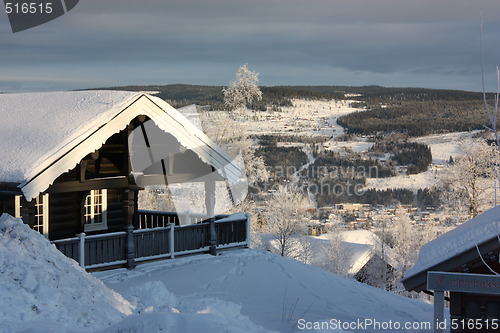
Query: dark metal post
[210, 206]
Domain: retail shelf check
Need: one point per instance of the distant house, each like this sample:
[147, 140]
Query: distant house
[66, 170]
[368, 256]
[472, 247]
[364, 257]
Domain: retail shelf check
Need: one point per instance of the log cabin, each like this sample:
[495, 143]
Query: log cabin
[72, 164]
[471, 248]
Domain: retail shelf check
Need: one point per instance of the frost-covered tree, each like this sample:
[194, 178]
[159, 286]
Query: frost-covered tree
[229, 133]
[243, 90]
[467, 186]
[337, 258]
[286, 216]
[156, 198]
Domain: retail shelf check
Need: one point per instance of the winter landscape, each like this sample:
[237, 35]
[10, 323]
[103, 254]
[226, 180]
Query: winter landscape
[311, 266]
[249, 166]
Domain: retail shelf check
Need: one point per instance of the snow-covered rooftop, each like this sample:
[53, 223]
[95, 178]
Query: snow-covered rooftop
[43, 135]
[362, 245]
[36, 126]
[463, 238]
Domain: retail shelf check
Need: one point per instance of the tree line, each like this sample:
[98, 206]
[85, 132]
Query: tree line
[417, 118]
[415, 155]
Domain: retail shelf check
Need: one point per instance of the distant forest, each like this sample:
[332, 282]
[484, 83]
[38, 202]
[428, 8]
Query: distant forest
[179, 95]
[416, 156]
[412, 111]
[417, 118]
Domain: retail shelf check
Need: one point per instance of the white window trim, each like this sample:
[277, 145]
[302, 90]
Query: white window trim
[17, 207]
[88, 227]
[45, 211]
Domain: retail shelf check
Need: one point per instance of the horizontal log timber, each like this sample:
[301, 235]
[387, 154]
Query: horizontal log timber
[176, 178]
[10, 188]
[90, 184]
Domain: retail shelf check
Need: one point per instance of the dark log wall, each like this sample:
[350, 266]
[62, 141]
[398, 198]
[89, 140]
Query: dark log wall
[116, 222]
[7, 205]
[64, 215]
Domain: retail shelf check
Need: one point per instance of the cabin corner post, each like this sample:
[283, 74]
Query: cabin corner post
[210, 207]
[247, 229]
[129, 212]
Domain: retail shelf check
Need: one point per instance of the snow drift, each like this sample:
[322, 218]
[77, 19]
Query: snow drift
[40, 287]
[251, 291]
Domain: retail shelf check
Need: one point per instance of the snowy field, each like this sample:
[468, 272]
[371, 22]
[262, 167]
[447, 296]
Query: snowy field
[236, 291]
[305, 118]
[313, 117]
[443, 146]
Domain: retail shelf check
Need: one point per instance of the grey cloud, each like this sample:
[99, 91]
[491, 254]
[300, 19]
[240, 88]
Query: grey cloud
[390, 42]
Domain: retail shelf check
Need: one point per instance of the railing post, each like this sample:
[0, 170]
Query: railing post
[172, 240]
[248, 229]
[81, 250]
[187, 217]
[129, 202]
[210, 207]
[129, 247]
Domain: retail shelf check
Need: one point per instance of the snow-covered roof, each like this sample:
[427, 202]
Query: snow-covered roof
[44, 135]
[459, 240]
[361, 246]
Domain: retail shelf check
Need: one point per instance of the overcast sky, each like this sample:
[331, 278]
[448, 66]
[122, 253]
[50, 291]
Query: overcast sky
[407, 43]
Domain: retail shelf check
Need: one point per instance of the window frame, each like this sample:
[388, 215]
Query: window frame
[41, 220]
[96, 209]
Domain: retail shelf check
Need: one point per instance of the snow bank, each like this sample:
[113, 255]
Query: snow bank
[41, 289]
[254, 291]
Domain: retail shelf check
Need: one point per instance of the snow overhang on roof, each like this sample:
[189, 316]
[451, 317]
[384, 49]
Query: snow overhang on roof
[455, 243]
[44, 135]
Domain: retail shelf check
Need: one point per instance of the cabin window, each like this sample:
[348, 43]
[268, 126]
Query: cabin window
[17, 207]
[41, 222]
[96, 206]
[42, 215]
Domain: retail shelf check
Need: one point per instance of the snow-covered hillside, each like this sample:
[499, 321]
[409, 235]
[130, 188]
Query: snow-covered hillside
[443, 146]
[238, 291]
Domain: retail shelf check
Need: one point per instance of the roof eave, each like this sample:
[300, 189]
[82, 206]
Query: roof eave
[418, 281]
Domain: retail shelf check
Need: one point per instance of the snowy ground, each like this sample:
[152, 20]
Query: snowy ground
[253, 291]
[237, 291]
[442, 147]
[313, 117]
[305, 118]
[358, 246]
[445, 145]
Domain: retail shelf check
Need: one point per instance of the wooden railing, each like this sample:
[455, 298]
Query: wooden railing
[148, 219]
[159, 241]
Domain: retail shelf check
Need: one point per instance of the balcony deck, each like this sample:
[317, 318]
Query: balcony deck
[158, 235]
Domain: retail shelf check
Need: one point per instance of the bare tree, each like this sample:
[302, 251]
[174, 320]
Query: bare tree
[228, 133]
[286, 216]
[467, 184]
[243, 90]
[337, 258]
